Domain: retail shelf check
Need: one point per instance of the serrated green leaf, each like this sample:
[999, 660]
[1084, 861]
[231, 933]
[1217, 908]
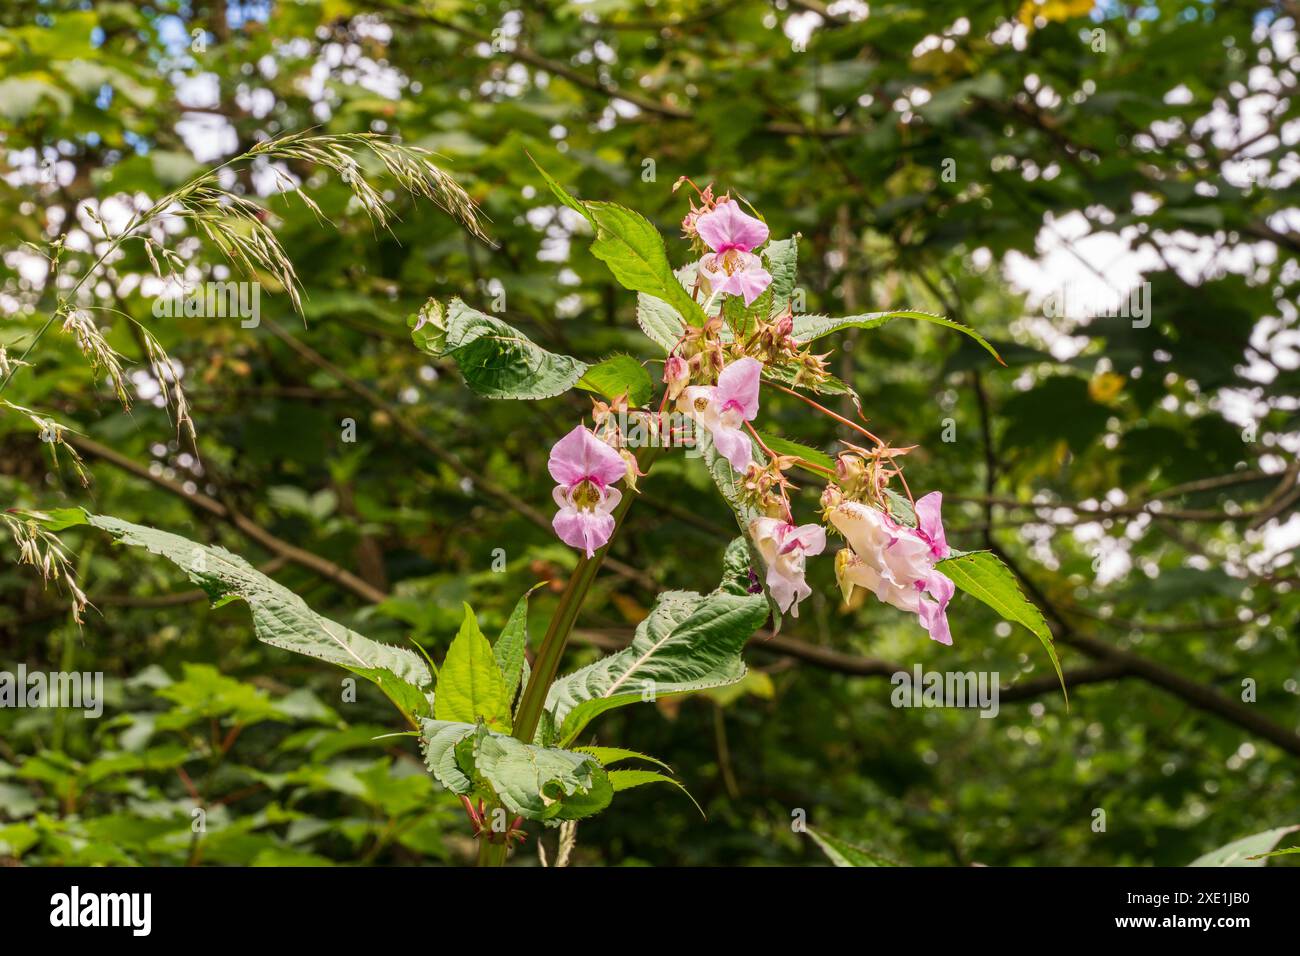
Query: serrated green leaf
[983, 576]
[439, 742]
[808, 328]
[619, 375]
[735, 567]
[627, 779]
[562, 194]
[496, 359]
[631, 246]
[1248, 851]
[782, 256]
[280, 617]
[511, 644]
[470, 684]
[842, 853]
[689, 642]
[612, 755]
[538, 783]
[659, 321]
[784, 446]
[788, 375]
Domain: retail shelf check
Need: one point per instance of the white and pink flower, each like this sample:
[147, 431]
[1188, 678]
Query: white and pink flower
[724, 408]
[784, 548]
[895, 562]
[732, 268]
[584, 468]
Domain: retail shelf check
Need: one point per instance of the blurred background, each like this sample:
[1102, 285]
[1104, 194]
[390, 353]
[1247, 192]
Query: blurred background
[1107, 191]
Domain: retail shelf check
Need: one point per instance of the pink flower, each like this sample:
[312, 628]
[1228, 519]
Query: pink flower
[724, 408]
[784, 547]
[732, 268]
[895, 562]
[584, 467]
[726, 227]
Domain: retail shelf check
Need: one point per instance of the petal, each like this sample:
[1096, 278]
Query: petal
[809, 538]
[733, 444]
[787, 587]
[863, 527]
[934, 614]
[752, 282]
[738, 383]
[584, 530]
[934, 617]
[931, 524]
[580, 454]
[728, 227]
[612, 496]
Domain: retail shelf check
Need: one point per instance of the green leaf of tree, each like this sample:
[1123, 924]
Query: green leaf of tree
[808, 328]
[470, 684]
[619, 375]
[627, 779]
[496, 359]
[689, 642]
[280, 617]
[612, 755]
[784, 446]
[659, 321]
[782, 256]
[982, 575]
[631, 246]
[511, 644]
[537, 783]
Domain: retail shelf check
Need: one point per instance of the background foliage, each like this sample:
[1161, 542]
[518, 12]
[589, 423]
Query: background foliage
[1142, 479]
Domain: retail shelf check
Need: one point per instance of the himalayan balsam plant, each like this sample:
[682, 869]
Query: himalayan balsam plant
[507, 737]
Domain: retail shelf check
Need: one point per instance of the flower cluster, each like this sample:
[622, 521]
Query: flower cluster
[713, 376]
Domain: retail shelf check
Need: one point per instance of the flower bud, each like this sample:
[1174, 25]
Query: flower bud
[677, 375]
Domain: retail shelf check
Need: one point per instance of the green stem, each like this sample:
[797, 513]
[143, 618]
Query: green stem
[547, 664]
[557, 633]
[491, 854]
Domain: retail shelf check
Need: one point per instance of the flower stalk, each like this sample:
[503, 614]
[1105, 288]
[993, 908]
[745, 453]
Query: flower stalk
[551, 652]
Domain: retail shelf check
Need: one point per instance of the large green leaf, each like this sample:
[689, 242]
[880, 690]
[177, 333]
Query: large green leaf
[788, 375]
[280, 617]
[982, 575]
[689, 642]
[620, 375]
[538, 783]
[496, 359]
[511, 644]
[631, 246]
[781, 257]
[808, 328]
[633, 249]
[659, 320]
[612, 755]
[470, 684]
[1248, 851]
[627, 779]
[784, 446]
